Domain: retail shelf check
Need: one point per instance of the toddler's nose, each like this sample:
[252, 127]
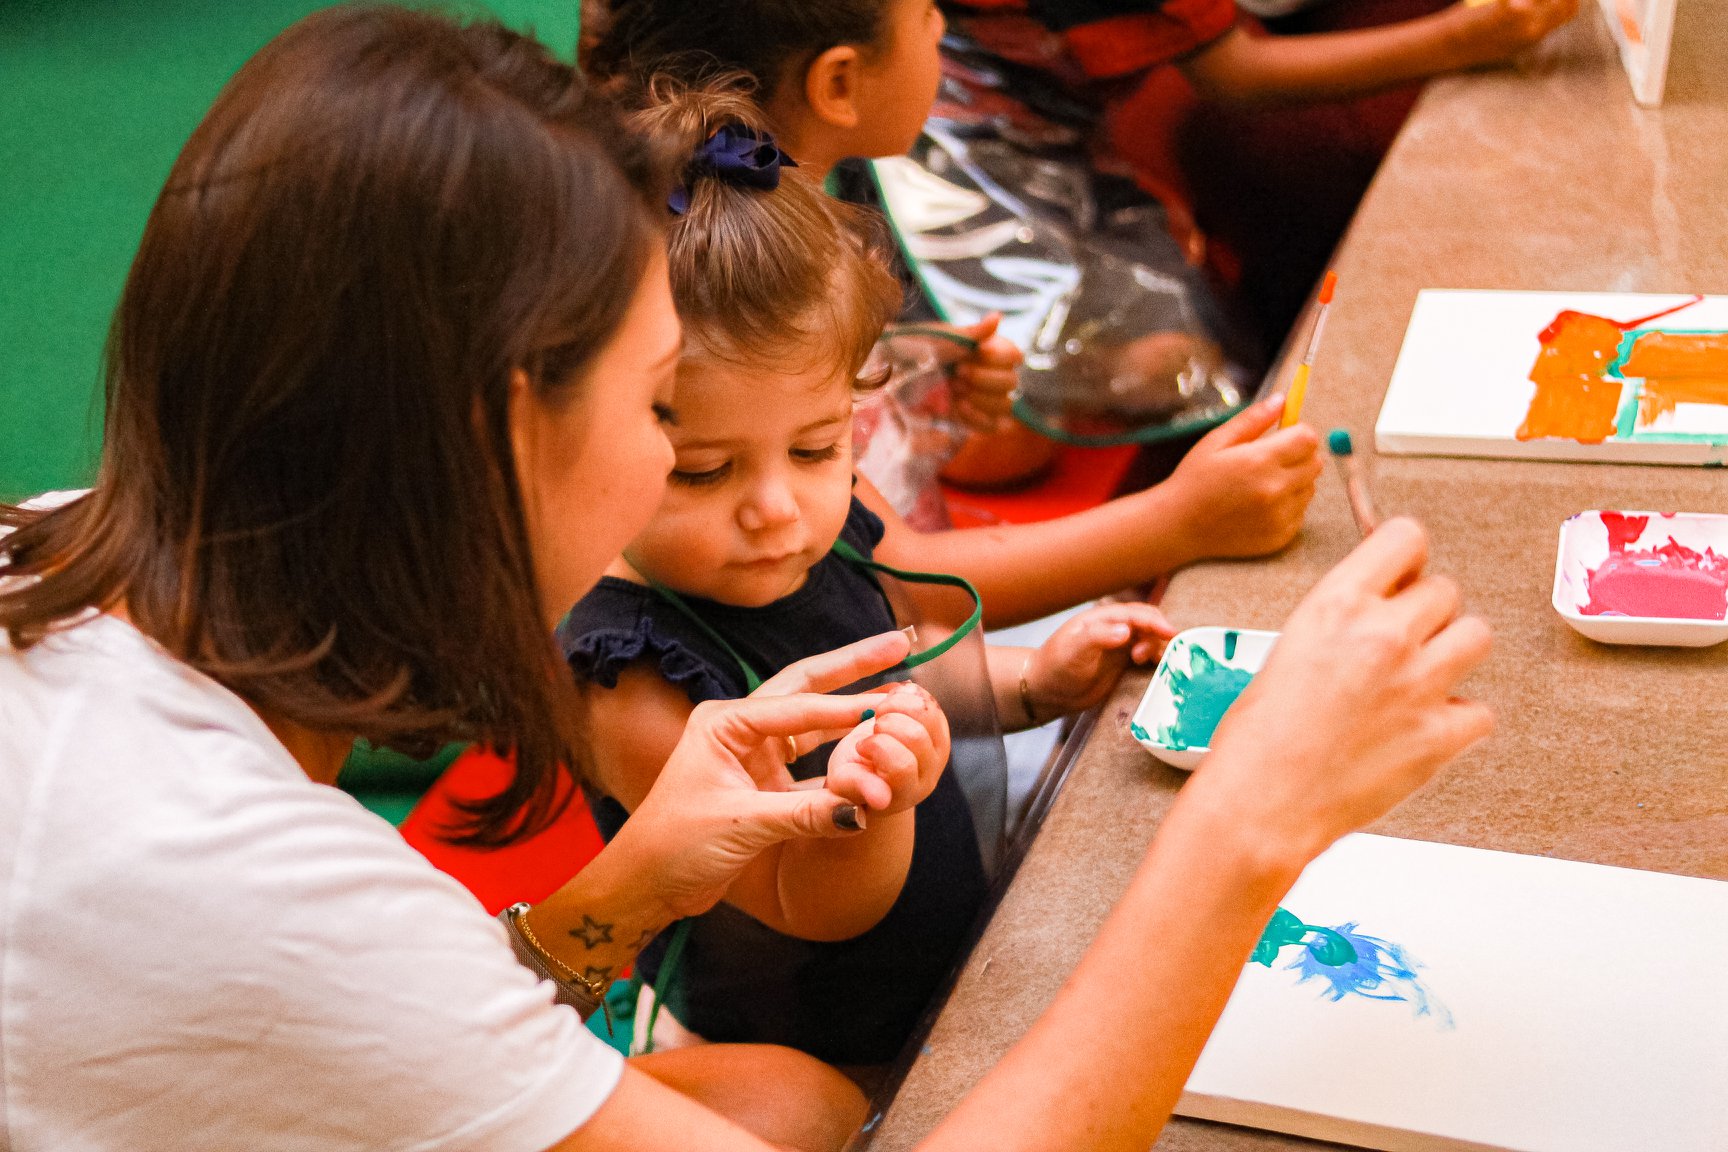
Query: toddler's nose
[769, 505]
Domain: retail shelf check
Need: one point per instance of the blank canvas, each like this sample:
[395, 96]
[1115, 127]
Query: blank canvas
[1588, 1010]
[1462, 386]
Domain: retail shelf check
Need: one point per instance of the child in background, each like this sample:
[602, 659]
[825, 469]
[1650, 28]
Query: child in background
[753, 562]
[857, 78]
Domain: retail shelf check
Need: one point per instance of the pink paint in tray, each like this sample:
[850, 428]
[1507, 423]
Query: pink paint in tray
[1644, 577]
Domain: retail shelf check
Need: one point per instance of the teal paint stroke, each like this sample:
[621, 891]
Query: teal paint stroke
[1201, 695]
[1349, 963]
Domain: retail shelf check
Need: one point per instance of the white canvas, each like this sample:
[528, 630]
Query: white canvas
[1643, 31]
[1588, 1010]
[1462, 385]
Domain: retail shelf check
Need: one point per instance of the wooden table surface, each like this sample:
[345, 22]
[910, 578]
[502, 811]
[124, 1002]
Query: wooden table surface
[1544, 177]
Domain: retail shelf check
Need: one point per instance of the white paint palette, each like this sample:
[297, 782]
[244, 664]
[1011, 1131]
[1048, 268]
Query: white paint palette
[1463, 382]
[1550, 1006]
[1202, 672]
[1644, 577]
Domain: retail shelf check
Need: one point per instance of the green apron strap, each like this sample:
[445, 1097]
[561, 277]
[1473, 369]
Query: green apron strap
[668, 973]
[850, 554]
[752, 681]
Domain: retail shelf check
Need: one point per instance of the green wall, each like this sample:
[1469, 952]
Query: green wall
[96, 97]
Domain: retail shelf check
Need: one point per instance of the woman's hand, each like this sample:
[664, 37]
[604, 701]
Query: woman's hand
[725, 795]
[1243, 492]
[1080, 663]
[983, 383]
[1355, 708]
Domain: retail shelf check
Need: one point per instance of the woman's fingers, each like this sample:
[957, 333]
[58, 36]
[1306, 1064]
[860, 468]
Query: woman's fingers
[1465, 723]
[834, 670]
[1427, 606]
[1382, 564]
[1456, 651]
[766, 818]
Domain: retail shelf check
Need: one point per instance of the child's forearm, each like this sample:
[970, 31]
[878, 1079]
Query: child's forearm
[1027, 571]
[1329, 65]
[1015, 710]
[832, 889]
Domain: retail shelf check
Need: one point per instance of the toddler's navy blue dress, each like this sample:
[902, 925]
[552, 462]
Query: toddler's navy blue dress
[852, 1002]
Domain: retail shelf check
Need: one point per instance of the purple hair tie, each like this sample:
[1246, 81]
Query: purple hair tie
[735, 154]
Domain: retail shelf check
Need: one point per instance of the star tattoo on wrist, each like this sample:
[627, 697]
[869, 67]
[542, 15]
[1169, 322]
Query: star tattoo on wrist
[592, 933]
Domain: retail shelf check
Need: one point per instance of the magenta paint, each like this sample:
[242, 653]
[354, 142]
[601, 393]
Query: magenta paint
[1670, 581]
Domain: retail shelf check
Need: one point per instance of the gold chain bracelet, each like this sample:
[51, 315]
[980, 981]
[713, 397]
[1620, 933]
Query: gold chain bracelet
[595, 989]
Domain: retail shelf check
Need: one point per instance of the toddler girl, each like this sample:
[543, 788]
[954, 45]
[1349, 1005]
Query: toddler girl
[857, 78]
[758, 558]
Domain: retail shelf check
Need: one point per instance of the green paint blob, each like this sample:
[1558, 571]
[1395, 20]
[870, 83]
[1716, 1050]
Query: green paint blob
[1230, 639]
[1202, 695]
[1138, 732]
[1285, 928]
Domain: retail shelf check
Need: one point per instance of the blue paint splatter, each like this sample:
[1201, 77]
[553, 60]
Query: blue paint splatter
[1202, 695]
[1230, 639]
[1379, 970]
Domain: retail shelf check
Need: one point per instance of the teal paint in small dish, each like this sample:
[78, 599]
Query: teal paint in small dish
[1202, 673]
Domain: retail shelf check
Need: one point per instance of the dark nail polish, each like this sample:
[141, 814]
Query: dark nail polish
[847, 818]
[868, 713]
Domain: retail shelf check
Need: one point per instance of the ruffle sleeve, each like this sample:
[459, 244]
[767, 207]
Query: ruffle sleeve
[602, 654]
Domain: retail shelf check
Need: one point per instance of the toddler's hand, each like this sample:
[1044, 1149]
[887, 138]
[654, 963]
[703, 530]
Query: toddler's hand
[1242, 492]
[983, 383]
[1493, 33]
[1079, 664]
[891, 761]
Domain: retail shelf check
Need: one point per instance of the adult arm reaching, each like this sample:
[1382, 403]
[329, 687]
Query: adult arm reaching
[1354, 711]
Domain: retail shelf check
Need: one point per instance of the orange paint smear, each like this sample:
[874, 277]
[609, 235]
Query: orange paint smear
[1629, 26]
[1678, 368]
[1575, 399]
[1678, 354]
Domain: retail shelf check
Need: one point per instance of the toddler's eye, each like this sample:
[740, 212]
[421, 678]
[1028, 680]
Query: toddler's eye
[699, 479]
[816, 455]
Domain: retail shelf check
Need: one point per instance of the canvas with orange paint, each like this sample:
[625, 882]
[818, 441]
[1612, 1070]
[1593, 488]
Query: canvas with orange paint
[1643, 31]
[1597, 377]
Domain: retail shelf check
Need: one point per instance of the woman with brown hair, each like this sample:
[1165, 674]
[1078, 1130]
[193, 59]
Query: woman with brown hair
[384, 392]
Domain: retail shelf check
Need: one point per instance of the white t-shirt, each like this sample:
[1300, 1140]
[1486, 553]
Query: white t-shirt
[202, 949]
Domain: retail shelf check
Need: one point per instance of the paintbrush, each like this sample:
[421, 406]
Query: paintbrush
[1355, 479]
[1299, 385]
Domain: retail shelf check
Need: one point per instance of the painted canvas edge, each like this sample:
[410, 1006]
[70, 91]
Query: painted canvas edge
[1312, 1126]
[1557, 451]
[1649, 76]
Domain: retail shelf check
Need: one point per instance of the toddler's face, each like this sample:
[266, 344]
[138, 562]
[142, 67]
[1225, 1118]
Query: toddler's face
[761, 486]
